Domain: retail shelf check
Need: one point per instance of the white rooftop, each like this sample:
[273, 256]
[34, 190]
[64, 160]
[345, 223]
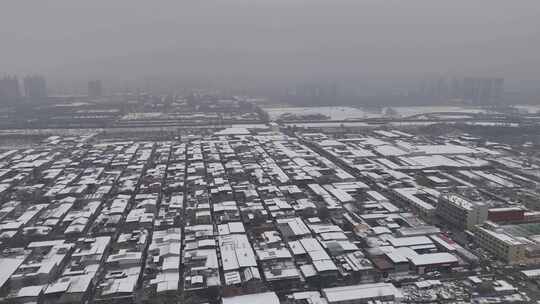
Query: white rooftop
[361, 293]
[266, 298]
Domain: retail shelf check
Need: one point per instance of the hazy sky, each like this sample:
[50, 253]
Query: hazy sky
[271, 42]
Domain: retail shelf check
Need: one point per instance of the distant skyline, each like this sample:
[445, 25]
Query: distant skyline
[364, 44]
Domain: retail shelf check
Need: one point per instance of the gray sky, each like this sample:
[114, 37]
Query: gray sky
[272, 42]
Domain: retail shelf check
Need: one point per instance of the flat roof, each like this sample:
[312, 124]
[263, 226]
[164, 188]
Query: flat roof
[9, 266]
[531, 273]
[266, 298]
[433, 259]
[409, 241]
[361, 292]
[233, 131]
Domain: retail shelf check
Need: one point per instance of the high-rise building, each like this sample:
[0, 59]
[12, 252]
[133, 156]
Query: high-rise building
[456, 88]
[95, 89]
[479, 90]
[35, 87]
[320, 93]
[436, 89]
[9, 89]
[474, 90]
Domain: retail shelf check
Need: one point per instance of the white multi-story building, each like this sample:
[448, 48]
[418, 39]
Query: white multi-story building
[461, 212]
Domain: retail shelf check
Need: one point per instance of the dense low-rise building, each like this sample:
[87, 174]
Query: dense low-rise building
[249, 214]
